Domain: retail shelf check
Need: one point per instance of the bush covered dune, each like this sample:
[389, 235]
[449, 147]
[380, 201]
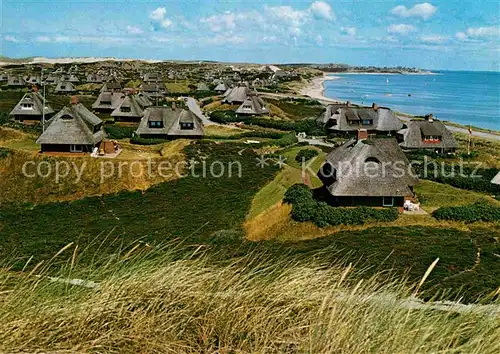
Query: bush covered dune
[150, 300]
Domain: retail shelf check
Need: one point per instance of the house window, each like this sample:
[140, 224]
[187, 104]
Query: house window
[388, 201]
[367, 121]
[187, 126]
[126, 109]
[352, 122]
[27, 106]
[75, 148]
[156, 124]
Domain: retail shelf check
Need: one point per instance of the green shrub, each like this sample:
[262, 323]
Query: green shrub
[3, 153]
[305, 155]
[119, 132]
[481, 210]
[306, 208]
[143, 141]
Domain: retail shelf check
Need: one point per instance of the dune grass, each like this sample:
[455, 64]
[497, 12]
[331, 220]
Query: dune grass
[258, 303]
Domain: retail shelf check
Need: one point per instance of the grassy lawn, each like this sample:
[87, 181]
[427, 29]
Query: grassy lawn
[434, 195]
[180, 86]
[273, 192]
[295, 110]
[221, 130]
[189, 209]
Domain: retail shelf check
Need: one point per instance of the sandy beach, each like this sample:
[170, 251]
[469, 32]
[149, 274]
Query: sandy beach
[316, 89]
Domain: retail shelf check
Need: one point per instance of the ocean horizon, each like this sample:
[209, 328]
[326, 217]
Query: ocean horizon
[464, 97]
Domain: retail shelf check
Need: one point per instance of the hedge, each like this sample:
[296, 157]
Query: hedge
[306, 208]
[481, 210]
[305, 155]
[119, 132]
[309, 126]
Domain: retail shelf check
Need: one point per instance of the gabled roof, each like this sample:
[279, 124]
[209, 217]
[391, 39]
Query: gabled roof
[36, 100]
[15, 81]
[373, 167]
[171, 122]
[130, 102]
[202, 86]
[339, 117]
[253, 105]
[65, 86]
[143, 100]
[415, 131]
[74, 124]
[221, 87]
[111, 86]
[108, 100]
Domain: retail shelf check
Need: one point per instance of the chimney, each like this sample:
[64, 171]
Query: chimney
[375, 106]
[174, 106]
[362, 134]
[74, 100]
[429, 118]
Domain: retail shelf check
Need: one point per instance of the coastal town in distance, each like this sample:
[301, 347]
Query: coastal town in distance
[198, 204]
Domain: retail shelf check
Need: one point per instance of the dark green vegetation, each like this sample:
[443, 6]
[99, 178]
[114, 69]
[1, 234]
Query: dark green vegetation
[306, 208]
[115, 131]
[190, 209]
[297, 108]
[309, 126]
[147, 141]
[465, 177]
[481, 210]
[305, 155]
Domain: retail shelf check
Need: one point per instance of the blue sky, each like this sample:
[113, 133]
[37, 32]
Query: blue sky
[440, 34]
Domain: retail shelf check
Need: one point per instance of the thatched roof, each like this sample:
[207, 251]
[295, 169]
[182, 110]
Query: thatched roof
[94, 78]
[129, 107]
[111, 86]
[373, 167]
[221, 87]
[65, 86]
[35, 101]
[74, 124]
[202, 86]
[253, 105]
[351, 119]
[143, 100]
[152, 77]
[108, 100]
[416, 130]
[236, 94]
[171, 120]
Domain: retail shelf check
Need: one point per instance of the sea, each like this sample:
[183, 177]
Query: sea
[464, 97]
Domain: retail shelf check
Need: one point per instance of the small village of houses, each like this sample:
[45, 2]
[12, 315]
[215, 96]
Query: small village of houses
[372, 134]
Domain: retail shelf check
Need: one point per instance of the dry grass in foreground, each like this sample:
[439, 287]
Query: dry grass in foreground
[256, 304]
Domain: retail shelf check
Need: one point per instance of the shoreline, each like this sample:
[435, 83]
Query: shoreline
[316, 89]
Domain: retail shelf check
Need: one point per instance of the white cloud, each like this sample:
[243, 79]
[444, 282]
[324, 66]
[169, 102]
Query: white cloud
[217, 23]
[478, 33]
[134, 30]
[433, 39]
[461, 36]
[221, 39]
[322, 9]
[401, 29]
[424, 10]
[158, 14]
[351, 31]
[319, 40]
[484, 32]
[158, 19]
[11, 39]
[43, 39]
[287, 14]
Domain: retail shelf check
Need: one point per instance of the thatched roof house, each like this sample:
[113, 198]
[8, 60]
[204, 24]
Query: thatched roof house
[15, 81]
[73, 129]
[94, 78]
[152, 77]
[65, 87]
[111, 86]
[169, 123]
[143, 100]
[129, 110]
[237, 94]
[428, 134]
[221, 87]
[108, 101]
[155, 90]
[253, 105]
[30, 108]
[345, 118]
[371, 172]
[202, 86]
[33, 79]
